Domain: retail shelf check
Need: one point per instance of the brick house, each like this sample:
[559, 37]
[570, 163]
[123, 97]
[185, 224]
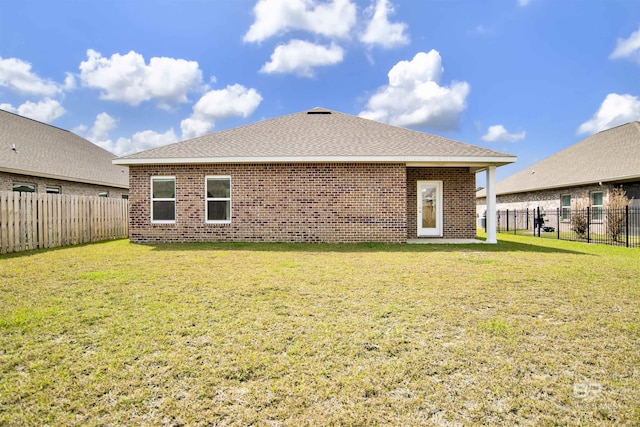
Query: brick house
[313, 176]
[582, 174]
[40, 158]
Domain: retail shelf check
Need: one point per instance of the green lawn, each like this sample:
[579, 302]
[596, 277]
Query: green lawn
[529, 332]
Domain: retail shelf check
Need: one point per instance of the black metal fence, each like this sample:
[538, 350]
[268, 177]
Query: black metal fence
[609, 226]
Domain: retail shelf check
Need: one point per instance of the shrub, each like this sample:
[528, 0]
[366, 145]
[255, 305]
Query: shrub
[616, 219]
[579, 219]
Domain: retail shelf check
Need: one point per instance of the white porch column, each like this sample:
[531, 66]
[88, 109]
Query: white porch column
[491, 205]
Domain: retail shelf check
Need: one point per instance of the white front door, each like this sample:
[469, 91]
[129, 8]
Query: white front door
[430, 208]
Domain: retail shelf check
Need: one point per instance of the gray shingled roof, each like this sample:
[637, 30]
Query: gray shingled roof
[47, 151]
[312, 136]
[610, 155]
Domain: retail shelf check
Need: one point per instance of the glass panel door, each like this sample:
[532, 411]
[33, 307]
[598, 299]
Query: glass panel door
[430, 208]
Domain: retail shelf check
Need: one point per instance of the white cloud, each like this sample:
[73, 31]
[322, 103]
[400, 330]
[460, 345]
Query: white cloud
[99, 132]
[69, 82]
[101, 127]
[17, 75]
[301, 57]
[414, 96]
[382, 32]
[45, 111]
[329, 19]
[234, 100]
[127, 78]
[615, 110]
[8, 107]
[192, 128]
[497, 133]
[145, 140]
[80, 130]
[628, 48]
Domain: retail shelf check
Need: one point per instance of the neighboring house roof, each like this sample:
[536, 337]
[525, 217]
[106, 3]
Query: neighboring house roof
[320, 135]
[29, 147]
[609, 156]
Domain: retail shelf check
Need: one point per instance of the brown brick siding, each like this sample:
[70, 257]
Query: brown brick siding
[303, 203]
[544, 199]
[279, 202]
[67, 187]
[459, 207]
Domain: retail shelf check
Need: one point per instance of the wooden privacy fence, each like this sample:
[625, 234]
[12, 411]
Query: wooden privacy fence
[34, 220]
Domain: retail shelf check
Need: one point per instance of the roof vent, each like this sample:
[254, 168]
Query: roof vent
[318, 112]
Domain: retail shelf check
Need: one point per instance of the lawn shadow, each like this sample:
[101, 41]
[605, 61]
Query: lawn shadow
[38, 251]
[501, 246]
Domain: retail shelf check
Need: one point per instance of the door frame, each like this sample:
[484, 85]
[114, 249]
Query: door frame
[429, 232]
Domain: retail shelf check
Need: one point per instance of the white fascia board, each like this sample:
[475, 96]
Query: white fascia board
[409, 160]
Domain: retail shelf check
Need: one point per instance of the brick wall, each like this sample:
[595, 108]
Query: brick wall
[67, 187]
[459, 207]
[279, 202]
[544, 199]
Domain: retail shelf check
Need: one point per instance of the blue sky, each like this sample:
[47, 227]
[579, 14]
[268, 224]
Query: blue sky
[524, 77]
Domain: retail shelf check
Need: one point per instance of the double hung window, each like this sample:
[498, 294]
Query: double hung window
[218, 199]
[596, 206]
[565, 204]
[163, 199]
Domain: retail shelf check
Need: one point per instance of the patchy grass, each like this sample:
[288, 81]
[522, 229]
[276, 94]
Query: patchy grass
[529, 331]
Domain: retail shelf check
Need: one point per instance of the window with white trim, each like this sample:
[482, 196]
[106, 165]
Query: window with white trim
[217, 199]
[52, 189]
[21, 187]
[596, 205]
[565, 207]
[163, 199]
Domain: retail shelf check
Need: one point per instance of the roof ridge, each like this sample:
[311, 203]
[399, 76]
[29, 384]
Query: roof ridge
[634, 122]
[113, 155]
[220, 132]
[253, 123]
[44, 150]
[420, 132]
[240, 128]
[37, 121]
